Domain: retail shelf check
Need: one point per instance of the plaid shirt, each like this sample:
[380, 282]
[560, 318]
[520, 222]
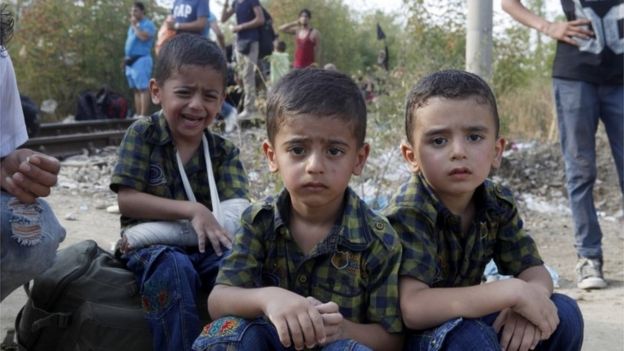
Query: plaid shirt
[147, 163]
[356, 265]
[437, 253]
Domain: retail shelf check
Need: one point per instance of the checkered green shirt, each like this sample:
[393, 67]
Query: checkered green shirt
[356, 265]
[147, 163]
[437, 253]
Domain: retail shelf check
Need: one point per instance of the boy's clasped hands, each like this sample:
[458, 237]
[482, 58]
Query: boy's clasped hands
[303, 321]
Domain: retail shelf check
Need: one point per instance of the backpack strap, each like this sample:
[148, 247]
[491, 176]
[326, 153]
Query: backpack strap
[59, 320]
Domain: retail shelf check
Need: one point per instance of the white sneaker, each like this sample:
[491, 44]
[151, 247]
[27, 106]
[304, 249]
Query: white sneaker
[589, 273]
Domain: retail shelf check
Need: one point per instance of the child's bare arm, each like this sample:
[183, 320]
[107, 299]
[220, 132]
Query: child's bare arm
[521, 328]
[424, 307]
[336, 328]
[297, 321]
[540, 289]
[136, 204]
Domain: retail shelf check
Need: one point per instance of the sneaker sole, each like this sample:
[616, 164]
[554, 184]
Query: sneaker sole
[592, 283]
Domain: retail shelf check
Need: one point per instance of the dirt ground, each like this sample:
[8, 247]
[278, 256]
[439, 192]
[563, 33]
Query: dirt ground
[536, 175]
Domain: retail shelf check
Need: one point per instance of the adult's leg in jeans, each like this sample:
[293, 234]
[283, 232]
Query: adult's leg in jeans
[612, 115]
[30, 235]
[578, 114]
[169, 285]
[249, 77]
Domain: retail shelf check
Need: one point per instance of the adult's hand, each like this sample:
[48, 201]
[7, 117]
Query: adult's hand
[27, 174]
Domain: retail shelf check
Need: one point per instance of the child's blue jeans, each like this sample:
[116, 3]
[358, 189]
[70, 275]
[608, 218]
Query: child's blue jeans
[234, 333]
[478, 334]
[170, 279]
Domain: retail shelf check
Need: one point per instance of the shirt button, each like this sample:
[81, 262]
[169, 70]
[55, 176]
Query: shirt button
[380, 225]
[303, 279]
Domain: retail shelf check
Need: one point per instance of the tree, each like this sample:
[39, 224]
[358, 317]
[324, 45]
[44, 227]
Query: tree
[65, 46]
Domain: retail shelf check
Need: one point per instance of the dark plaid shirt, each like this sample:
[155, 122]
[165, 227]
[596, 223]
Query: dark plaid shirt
[437, 253]
[147, 163]
[356, 265]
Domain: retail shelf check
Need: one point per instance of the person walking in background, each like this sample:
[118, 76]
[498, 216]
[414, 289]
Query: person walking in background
[307, 40]
[588, 87]
[189, 16]
[138, 59]
[249, 17]
[213, 27]
[30, 232]
[280, 62]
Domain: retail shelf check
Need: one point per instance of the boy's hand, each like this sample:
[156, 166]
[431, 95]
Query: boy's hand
[296, 319]
[518, 333]
[535, 305]
[207, 227]
[332, 320]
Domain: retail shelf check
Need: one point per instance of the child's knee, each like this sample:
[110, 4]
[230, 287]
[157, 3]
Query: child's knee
[570, 317]
[472, 333]
[228, 333]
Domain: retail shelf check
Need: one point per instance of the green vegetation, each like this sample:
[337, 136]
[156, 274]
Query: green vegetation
[62, 47]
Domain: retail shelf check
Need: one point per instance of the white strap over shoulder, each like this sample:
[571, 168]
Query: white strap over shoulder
[214, 194]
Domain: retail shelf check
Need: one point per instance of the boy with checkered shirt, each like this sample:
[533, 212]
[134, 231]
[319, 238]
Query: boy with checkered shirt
[452, 221]
[168, 175]
[315, 267]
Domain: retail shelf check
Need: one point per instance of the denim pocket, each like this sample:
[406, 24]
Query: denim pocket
[225, 330]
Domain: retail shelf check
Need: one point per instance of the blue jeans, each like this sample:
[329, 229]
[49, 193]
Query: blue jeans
[234, 333]
[580, 106]
[170, 279]
[30, 236]
[478, 334]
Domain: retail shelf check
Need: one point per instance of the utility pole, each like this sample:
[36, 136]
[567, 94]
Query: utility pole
[479, 38]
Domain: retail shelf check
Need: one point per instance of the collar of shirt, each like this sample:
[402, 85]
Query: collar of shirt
[351, 230]
[424, 199]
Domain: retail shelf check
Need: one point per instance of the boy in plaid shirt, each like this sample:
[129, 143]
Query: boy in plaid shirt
[452, 221]
[315, 267]
[161, 180]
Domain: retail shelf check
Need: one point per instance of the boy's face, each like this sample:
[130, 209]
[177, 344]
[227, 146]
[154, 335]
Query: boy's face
[455, 145]
[190, 99]
[315, 158]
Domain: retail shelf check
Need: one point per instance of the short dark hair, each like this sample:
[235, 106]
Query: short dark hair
[188, 49]
[306, 11]
[139, 5]
[281, 46]
[317, 92]
[450, 84]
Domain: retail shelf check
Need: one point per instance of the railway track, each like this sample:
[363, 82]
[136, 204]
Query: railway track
[62, 140]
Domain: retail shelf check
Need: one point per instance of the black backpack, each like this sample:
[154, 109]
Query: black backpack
[86, 108]
[111, 104]
[267, 35]
[87, 301]
[101, 105]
